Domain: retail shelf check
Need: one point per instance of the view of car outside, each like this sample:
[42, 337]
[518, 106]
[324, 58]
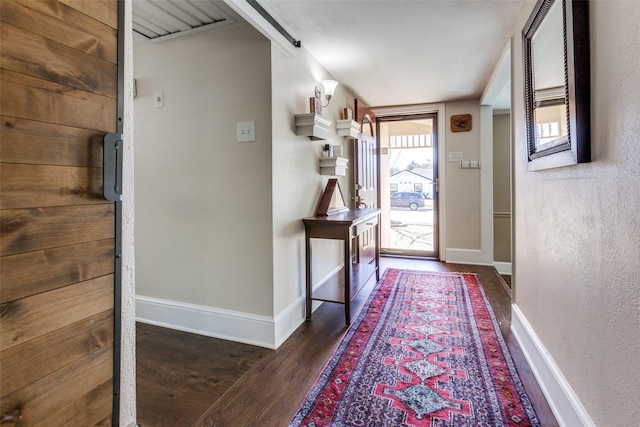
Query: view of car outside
[411, 201]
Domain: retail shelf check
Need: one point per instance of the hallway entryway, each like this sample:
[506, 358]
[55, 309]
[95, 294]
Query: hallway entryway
[245, 384]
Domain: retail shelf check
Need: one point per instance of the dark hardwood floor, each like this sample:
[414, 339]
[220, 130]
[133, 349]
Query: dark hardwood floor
[180, 375]
[185, 379]
[507, 280]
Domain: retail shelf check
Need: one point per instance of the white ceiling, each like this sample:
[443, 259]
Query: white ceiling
[386, 52]
[396, 52]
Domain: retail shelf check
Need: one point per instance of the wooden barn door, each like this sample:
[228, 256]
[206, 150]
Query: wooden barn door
[59, 309]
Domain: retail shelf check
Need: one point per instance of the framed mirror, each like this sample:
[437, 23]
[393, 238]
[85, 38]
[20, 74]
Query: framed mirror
[557, 84]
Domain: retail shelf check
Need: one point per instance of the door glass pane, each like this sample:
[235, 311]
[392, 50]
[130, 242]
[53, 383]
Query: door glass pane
[407, 165]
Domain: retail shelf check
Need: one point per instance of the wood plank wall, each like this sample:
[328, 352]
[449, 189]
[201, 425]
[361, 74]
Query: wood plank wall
[58, 87]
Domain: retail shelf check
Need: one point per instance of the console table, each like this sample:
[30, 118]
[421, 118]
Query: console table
[347, 227]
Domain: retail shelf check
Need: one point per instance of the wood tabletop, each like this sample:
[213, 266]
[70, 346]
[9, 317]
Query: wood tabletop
[348, 217]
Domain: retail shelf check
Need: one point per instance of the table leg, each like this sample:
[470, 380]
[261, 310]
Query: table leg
[347, 278]
[308, 270]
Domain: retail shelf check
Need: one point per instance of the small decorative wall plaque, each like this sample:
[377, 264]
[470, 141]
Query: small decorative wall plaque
[461, 123]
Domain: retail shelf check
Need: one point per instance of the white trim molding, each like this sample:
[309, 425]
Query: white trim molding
[500, 77]
[486, 183]
[468, 256]
[294, 315]
[288, 321]
[563, 401]
[503, 267]
[209, 321]
[291, 318]
[247, 328]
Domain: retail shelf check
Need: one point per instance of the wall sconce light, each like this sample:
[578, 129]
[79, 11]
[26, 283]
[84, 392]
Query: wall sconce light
[328, 87]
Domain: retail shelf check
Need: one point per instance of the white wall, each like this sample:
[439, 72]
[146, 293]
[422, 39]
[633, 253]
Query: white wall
[203, 202]
[463, 185]
[502, 188]
[466, 195]
[297, 183]
[220, 237]
[577, 231]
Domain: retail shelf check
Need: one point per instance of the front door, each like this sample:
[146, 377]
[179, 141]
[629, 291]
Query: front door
[366, 177]
[59, 89]
[366, 165]
[409, 184]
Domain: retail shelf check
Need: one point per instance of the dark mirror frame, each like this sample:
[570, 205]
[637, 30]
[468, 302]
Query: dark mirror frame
[577, 86]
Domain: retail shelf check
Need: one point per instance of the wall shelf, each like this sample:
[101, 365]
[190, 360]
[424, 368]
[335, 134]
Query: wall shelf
[348, 128]
[313, 126]
[334, 166]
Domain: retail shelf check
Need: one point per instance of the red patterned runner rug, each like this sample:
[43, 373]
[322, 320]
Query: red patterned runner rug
[426, 350]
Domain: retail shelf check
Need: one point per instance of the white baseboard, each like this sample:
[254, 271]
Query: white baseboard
[213, 322]
[230, 325]
[563, 401]
[288, 321]
[468, 256]
[293, 316]
[503, 267]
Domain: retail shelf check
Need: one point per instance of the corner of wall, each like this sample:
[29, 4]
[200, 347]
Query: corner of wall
[461, 249]
[503, 267]
[127, 414]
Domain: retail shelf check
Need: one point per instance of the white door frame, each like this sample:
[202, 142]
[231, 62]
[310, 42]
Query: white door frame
[410, 110]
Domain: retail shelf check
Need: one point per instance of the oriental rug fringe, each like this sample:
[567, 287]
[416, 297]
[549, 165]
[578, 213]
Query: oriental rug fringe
[426, 350]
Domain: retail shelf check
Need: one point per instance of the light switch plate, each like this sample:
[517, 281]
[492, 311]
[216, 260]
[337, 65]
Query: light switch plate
[246, 131]
[158, 100]
[455, 156]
